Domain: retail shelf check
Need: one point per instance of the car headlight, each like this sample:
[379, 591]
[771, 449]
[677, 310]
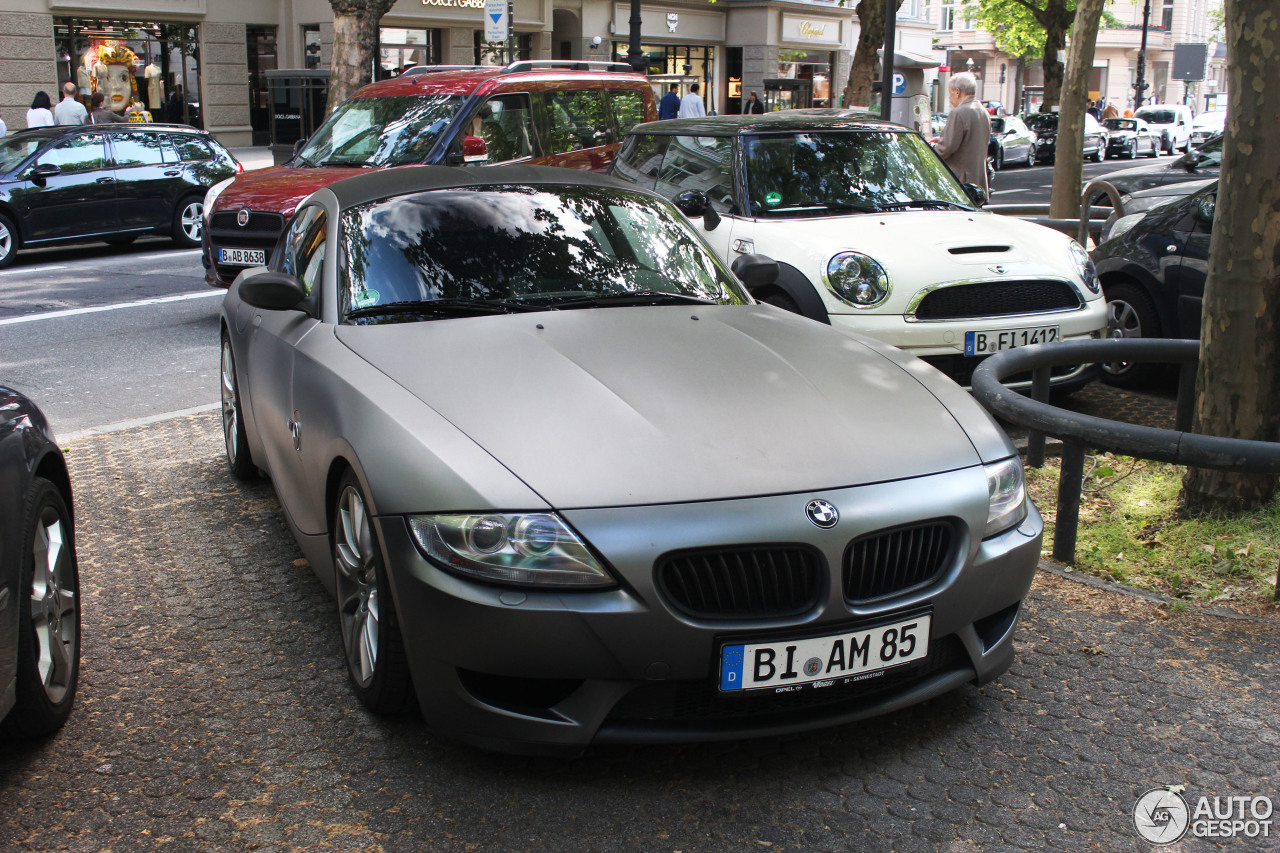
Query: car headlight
[857, 279]
[526, 549]
[1085, 266]
[1121, 225]
[212, 195]
[1007, 490]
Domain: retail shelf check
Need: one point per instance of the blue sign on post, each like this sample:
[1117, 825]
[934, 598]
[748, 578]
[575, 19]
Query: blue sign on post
[495, 20]
[899, 83]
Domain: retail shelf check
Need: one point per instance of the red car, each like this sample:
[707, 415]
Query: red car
[540, 113]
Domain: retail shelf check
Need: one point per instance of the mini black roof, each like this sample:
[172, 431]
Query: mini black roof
[784, 121]
[385, 183]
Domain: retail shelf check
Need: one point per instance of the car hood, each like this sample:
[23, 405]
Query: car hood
[1145, 177]
[647, 405]
[279, 189]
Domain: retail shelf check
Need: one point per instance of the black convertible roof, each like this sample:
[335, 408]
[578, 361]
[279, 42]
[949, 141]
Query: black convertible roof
[784, 121]
[385, 183]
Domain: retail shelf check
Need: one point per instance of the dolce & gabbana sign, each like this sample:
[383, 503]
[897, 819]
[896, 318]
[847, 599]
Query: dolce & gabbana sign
[825, 31]
[455, 4]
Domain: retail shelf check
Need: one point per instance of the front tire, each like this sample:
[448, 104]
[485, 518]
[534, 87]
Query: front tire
[233, 432]
[1132, 153]
[999, 164]
[8, 241]
[1130, 314]
[188, 222]
[48, 664]
[371, 641]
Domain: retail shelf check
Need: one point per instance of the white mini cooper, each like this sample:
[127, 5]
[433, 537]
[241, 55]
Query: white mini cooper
[873, 232]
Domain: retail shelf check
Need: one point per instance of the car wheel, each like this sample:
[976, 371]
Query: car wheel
[1155, 149]
[48, 664]
[1130, 314]
[188, 221]
[1132, 153]
[999, 164]
[238, 457]
[8, 241]
[371, 641]
[1100, 153]
[778, 299]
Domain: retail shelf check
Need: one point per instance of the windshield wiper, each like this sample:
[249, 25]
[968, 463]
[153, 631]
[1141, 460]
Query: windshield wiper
[635, 297]
[363, 164]
[445, 307]
[925, 202]
[854, 206]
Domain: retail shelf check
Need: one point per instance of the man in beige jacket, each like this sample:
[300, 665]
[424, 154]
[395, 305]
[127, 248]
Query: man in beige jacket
[964, 140]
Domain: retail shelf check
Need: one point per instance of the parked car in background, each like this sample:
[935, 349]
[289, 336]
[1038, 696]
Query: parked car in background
[1171, 121]
[1153, 273]
[1206, 126]
[570, 114]
[873, 233]
[649, 545]
[113, 183]
[39, 577]
[1197, 165]
[1045, 127]
[1012, 142]
[1136, 205]
[1129, 137]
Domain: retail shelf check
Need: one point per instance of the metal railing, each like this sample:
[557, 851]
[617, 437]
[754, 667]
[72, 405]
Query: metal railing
[1085, 226]
[1077, 431]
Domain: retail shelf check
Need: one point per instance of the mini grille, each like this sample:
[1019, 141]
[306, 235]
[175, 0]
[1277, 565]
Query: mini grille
[997, 299]
[893, 561]
[759, 581]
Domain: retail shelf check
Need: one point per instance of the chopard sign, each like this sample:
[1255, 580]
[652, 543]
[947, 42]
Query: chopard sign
[811, 30]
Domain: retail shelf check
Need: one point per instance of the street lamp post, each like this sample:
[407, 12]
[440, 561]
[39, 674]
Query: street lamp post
[1140, 85]
[635, 58]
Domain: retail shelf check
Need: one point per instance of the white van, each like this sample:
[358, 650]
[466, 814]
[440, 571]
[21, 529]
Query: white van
[1171, 121]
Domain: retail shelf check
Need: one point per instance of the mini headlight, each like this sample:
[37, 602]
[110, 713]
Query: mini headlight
[1085, 265]
[534, 549]
[857, 279]
[1007, 490]
[212, 195]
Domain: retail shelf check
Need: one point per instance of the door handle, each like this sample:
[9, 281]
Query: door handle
[105, 181]
[1171, 248]
[173, 173]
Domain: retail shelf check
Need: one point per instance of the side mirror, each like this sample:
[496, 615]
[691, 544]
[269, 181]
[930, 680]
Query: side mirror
[474, 150]
[1205, 209]
[976, 195]
[297, 146]
[43, 171]
[755, 270]
[694, 203]
[272, 291]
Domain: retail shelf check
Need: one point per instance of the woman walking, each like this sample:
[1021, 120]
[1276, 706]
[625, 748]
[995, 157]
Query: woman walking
[41, 112]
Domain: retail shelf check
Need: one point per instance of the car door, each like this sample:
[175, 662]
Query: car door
[145, 183]
[575, 129]
[78, 201]
[1189, 248]
[704, 163]
[273, 344]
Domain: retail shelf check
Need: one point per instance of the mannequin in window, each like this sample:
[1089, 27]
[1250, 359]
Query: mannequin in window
[155, 85]
[84, 77]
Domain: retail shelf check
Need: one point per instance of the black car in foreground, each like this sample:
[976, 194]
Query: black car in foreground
[39, 579]
[106, 182]
[1153, 274]
[1199, 164]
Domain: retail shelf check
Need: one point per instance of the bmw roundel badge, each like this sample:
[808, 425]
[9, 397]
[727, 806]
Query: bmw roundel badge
[822, 513]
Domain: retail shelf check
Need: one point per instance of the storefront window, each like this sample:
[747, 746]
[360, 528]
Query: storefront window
[682, 64]
[812, 66]
[261, 49]
[144, 68]
[400, 48]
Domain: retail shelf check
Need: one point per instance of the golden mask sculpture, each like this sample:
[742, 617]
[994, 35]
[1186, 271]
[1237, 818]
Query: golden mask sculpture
[113, 76]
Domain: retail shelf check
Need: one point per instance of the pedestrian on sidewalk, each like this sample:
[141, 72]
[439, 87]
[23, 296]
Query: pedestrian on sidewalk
[754, 105]
[40, 114]
[967, 133]
[100, 114]
[691, 105]
[69, 111]
[669, 106]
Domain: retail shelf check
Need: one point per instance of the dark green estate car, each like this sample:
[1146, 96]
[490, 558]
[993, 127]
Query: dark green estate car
[106, 182]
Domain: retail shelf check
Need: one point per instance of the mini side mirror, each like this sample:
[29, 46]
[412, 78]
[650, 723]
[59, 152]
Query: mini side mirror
[694, 203]
[755, 270]
[1205, 208]
[272, 291]
[474, 150]
[976, 195]
[297, 146]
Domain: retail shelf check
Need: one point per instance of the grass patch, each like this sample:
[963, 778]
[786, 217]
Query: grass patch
[1132, 531]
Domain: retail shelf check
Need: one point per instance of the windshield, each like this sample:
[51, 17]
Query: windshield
[1120, 124]
[533, 246]
[997, 125]
[1156, 116]
[838, 172]
[17, 148]
[380, 131]
[1043, 122]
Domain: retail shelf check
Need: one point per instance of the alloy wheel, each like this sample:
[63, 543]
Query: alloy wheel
[53, 605]
[6, 241]
[230, 411]
[192, 220]
[357, 582]
[1122, 322]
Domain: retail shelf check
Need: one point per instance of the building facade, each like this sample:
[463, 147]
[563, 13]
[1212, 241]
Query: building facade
[210, 62]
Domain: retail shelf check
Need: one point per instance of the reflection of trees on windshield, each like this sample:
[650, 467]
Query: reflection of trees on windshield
[521, 243]
[807, 173]
[381, 131]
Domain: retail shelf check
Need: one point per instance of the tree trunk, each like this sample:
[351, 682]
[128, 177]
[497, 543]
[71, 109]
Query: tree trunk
[1068, 159]
[857, 92]
[355, 34]
[1019, 84]
[1238, 380]
[1054, 41]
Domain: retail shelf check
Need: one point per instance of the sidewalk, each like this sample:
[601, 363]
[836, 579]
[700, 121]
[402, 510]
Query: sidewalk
[257, 157]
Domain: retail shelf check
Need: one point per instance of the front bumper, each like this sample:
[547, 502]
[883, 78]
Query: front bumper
[551, 671]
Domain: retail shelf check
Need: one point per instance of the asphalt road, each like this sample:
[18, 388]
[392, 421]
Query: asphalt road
[1022, 185]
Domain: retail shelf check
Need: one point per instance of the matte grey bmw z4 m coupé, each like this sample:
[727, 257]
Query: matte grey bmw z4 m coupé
[569, 484]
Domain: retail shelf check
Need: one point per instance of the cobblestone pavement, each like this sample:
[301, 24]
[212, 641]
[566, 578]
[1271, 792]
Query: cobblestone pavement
[214, 714]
